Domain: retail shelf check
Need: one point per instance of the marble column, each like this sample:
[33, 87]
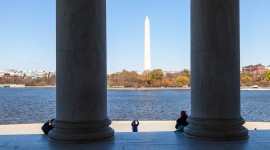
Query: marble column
[215, 68]
[81, 91]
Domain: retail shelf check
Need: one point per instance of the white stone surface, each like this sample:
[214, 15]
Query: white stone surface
[147, 49]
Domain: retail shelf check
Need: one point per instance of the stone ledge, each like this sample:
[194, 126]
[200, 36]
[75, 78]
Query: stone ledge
[118, 126]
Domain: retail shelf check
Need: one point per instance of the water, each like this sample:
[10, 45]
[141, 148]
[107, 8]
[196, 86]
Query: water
[26, 105]
[36, 105]
[147, 105]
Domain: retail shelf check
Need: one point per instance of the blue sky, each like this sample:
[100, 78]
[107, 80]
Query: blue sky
[27, 34]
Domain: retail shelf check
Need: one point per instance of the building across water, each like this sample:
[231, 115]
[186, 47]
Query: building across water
[31, 74]
[258, 69]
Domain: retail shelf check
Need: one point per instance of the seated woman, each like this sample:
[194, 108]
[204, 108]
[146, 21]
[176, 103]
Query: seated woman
[181, 122]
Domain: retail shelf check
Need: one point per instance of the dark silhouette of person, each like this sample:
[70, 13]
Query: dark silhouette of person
[135, 124]
[181, 122]
[47, 127]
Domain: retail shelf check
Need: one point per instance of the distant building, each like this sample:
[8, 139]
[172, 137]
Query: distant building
[10, 72]
[267, 68]
[254, 69]
[51, 73]
[18, 74]
[41, 74]
[30, 74]
[171, 72]
[6, 75]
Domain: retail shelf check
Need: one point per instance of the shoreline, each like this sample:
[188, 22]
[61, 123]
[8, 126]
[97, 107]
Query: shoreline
[23, 86]
[178, 88]
[40, 87]
[133, 89]
[145, 89]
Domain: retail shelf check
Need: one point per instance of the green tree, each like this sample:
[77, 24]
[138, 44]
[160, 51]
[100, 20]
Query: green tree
[156, 74]
[156, 77]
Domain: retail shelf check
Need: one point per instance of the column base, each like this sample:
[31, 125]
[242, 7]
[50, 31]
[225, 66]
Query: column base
[86, 132]
[216, 129]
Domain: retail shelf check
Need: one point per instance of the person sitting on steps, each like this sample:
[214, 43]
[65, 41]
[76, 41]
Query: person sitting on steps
[181, 122]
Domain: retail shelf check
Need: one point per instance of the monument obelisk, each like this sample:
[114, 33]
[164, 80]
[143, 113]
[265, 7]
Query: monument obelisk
[147, 56]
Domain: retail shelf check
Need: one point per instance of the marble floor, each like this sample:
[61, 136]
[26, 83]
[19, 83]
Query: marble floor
[258, 140]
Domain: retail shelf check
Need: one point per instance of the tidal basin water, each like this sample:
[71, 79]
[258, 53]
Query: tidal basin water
[36, 105]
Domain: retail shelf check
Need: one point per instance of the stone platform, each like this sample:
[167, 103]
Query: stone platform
[29, 136]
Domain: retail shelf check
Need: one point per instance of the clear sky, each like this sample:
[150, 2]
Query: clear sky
[27, 34]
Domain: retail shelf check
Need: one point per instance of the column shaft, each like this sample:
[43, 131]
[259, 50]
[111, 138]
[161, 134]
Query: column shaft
[81, 92]
[215, 67]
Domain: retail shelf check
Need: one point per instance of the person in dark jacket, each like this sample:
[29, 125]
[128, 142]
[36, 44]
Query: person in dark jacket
[135, 125]
[181, 122]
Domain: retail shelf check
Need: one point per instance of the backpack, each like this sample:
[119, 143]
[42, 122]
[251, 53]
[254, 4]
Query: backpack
[47, 126]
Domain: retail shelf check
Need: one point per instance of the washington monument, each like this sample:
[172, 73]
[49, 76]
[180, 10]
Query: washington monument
[147, 55]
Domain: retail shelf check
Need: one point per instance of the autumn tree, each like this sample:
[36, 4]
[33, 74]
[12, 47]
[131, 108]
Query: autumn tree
[246, 80]
[182, 80]
[154, 78]
[263, 83]
[125, 78]
[267, 76]
[167, 82]
[146, 78]
[185, 72]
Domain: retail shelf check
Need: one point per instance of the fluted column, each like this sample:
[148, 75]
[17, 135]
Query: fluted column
[81, 98]
[215, 67]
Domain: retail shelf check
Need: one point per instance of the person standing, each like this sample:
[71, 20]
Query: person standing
[135, 125]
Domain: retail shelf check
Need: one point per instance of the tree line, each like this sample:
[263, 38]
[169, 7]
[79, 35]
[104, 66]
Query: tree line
[157, 78]
[154, 78]
[27, 81]
[262, 80]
